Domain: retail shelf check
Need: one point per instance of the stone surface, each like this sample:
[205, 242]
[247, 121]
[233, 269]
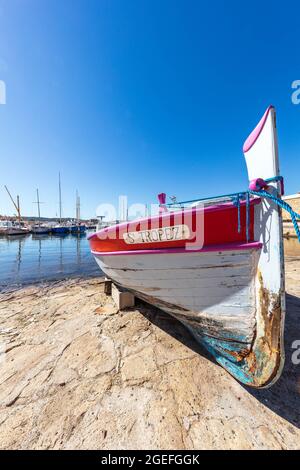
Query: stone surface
[77, 374]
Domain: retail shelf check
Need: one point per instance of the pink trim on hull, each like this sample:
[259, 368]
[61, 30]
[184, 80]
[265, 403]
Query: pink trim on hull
[250, 141]
[205, 249]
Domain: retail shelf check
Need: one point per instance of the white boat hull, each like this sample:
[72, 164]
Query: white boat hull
[214, 291]
[40, 230]
[17, 231]
[213, 294]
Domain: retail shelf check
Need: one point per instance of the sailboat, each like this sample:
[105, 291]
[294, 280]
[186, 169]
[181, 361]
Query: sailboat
[39, 228]
[215, 264]
[15, 228]
[77, 227]
[60, 229]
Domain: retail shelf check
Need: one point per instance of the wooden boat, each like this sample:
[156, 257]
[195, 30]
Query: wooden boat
[216, 266]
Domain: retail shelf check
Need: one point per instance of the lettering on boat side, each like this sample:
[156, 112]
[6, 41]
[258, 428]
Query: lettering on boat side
[163, 234]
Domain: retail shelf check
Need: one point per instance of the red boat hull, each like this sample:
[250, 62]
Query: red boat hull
[218, 226]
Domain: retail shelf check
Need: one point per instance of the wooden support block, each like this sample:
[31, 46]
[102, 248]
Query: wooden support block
[122, 298]
[107, 286]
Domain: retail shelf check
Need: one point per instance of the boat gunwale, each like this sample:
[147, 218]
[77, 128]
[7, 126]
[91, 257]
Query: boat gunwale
[212, 208]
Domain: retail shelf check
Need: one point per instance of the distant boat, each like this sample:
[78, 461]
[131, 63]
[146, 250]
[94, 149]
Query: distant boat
[4, 225]
[77, 227]
[60, 229]
[39, 228]
[215, 264]
[16, 228]
[8, 227]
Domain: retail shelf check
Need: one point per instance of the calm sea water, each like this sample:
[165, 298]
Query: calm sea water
[34, 258]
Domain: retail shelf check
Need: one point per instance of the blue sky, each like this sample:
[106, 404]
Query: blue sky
[137, 97]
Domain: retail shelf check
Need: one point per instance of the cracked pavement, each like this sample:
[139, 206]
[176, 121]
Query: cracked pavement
[77, 374]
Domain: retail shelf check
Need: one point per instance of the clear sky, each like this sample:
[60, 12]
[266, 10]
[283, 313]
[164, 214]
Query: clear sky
[137, 97]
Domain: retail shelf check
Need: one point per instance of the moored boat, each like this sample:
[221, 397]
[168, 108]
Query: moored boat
[215, 264]
[60, 230]
[77, 228]
[40, 229]
[4, 226]
[17, 230]
[7, 227]
[19, 227]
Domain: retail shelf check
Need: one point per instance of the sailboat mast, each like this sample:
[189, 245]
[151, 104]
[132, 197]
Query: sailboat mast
[77, 207]
[38, 204]
[59, 192]
[19, 211]
[17, 206]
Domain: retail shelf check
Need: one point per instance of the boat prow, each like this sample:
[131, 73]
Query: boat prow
[217, 267]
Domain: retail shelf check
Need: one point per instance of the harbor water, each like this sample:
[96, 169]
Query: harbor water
[36, 258]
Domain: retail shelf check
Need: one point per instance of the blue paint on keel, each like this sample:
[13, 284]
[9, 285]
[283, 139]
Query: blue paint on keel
[227, 355]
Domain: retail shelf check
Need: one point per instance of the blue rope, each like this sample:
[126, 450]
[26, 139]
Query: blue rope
[274, 178]
[284, 205]
[237, 197]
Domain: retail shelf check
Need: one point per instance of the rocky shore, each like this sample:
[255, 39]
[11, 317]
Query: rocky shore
[77, 374]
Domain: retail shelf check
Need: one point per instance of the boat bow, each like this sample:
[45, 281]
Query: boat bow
[227, 288]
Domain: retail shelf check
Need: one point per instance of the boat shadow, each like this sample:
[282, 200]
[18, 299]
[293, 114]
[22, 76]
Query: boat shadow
[172, 327]
[283, 398]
